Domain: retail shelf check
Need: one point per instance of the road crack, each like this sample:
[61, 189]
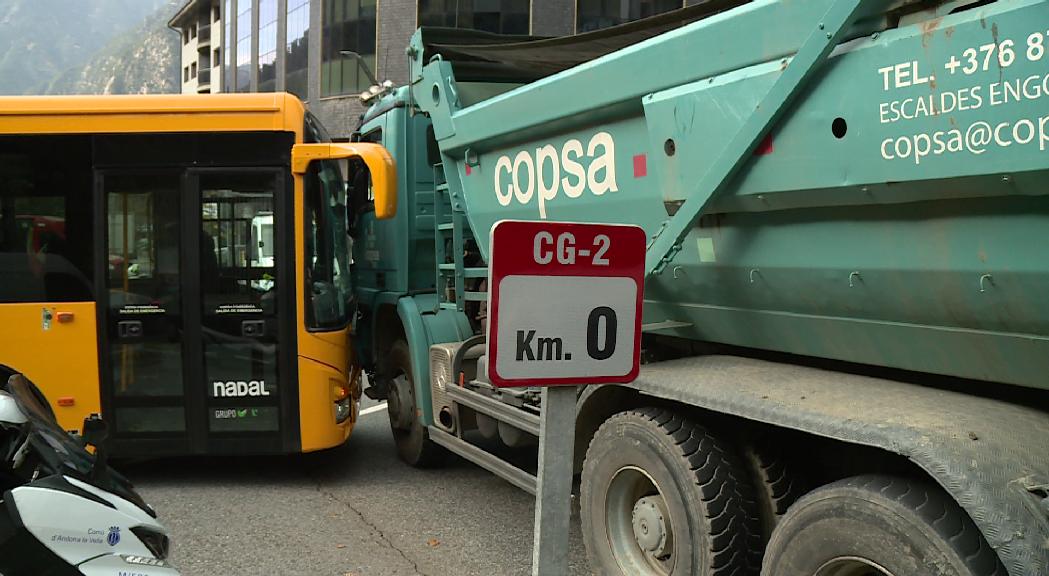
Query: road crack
[382, 537]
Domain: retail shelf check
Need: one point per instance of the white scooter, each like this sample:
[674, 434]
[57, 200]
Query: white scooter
[62, 510]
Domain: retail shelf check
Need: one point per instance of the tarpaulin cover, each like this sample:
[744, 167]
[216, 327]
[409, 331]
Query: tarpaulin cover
[483, 56]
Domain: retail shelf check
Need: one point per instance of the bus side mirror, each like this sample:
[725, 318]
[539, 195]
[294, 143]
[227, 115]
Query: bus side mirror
[380, 165]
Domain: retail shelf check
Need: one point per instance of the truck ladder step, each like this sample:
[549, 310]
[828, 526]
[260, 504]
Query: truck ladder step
[497, 466]
[445, 227]
[467, 272]
[499, 410]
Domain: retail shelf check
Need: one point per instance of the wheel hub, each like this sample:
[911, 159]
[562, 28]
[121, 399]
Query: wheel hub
[651, 530]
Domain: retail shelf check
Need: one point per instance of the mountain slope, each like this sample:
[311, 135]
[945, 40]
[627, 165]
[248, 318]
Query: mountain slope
[41, 38]
[142, 61]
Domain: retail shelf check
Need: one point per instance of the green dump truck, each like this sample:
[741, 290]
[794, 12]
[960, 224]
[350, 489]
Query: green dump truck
[846, 315]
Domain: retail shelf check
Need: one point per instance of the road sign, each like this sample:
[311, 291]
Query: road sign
[565, 309]
[565, 303]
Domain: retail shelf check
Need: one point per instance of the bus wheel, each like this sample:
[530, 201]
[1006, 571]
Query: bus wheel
[876, 525]
[662, 496]
[413, 442]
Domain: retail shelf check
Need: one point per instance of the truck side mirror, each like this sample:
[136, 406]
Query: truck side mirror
[381, 168]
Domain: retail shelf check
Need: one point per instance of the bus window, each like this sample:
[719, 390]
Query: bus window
[328, 286]
[45, 219]
[144, 286]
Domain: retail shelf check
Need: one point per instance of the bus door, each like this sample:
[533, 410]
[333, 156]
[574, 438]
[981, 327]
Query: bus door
[193, 312]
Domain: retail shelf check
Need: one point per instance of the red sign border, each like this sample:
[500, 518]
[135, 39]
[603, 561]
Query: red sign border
[498, 271]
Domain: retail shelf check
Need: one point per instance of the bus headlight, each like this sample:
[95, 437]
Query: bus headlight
[343, 401]
[343, 409]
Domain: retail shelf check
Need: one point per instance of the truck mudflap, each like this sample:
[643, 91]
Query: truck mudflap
[989, 454]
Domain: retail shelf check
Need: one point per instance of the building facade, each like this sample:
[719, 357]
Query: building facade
[300, 46]
[199, 24]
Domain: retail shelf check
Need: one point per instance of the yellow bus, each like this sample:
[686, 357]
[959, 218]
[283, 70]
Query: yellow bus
[179, 264]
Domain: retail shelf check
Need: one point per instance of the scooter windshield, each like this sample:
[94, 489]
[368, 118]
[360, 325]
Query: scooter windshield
[58, 451]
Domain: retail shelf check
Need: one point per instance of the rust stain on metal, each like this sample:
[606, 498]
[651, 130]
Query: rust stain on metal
[928, 29]
[998, 61]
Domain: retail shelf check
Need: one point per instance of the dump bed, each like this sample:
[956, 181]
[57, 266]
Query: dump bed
[862, 181]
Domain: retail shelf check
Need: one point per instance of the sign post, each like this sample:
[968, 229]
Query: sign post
[565, 310]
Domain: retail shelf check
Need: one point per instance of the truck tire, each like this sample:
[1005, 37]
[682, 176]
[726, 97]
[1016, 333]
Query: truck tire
[413, 441]
[877, 525]
[777, 485]
[662, 496]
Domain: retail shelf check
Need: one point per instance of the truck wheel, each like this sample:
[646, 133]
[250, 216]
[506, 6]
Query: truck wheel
[662, 496]
[776, 484]
[413, 441]
[876, 525]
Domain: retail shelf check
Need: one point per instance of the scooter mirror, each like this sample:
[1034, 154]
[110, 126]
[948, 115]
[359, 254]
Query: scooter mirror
[95, 434]
[95, 430]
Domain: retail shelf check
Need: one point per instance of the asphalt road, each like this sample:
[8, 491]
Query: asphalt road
[355, 510]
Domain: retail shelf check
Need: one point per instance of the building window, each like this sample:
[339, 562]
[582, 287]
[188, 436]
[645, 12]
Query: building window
[267, 45]
[296, 60]
[193, 70]
[243, 83]
[498, 16]
[185, 36]
[215, 61]
[185, 74]
[227, 41]
[193, 31]
[597, 14]
[216, 13]
[348, 25]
